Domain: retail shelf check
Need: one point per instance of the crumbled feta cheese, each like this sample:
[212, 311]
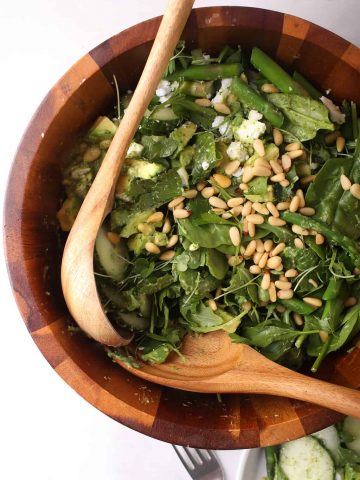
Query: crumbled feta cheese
[223, 125]
[134, 150]
[254, 115]
[174, 86]
[184, 176]
[218, 120]
[238, 172]
[223, 91]
[193, 247]
[249, 130]
[236, 151]
[205, 165]
[206, 57]
[164, 98]
[163, 90]
[336, 115]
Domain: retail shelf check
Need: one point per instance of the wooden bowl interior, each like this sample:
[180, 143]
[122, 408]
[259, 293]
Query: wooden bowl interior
[34, 244]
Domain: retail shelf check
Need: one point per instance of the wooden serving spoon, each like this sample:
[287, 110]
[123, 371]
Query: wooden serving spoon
[213, 364]
[77, 269]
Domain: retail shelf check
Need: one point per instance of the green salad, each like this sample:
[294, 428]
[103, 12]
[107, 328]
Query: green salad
[237, 209]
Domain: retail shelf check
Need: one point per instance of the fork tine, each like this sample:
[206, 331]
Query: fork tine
[189, 467]
[193, 459]
[202, 455]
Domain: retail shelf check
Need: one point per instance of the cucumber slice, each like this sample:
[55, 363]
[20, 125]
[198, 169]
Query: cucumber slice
[352, 427]
[329, 438]
[306, 459]
[109, 258]
[164, 114]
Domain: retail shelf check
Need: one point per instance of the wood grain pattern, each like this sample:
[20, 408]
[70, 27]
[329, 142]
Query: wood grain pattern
[33, 245]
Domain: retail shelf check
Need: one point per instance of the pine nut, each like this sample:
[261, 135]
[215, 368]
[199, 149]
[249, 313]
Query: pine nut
[331, 137]
[277, 168]
[246, 209]
[91, 154]
[350, 302]
[300, 194]
[203, 102]
[299, 243]
[257, 256]
[280, 308]
[222, 108]
[260, 172]
[168, 255]
[212, 304]
[146, 228]
[234, 234]
[313, 301]
[259, 148]
[282, 285]
[307, 211]
[324, 336]
[261, 162]
[283, 278]
[152, 248]
[105, 144]
[181, 205]
[298, 319]
[297, 229]
[355, 190]
[356, 271]
[156, 217]
[306, 180]
[277, 136]
[234, 260]
[285, 294]
[218, 203]
[260, 208]
[274, 262]
[295, 154]
[190, 193]
[255, 269]
[236, 211]
[285, 183]
[272, 292]
[269, 88]
[231, 98]
[247, 174]
[222, 180]
[278, 249]
[340, 144]
[114, 238]
[345, 182]
[167, 226]
[247, 306]
[268, 245]
[276, 222]
[312, 231]
[283, 206]
[232, 167]
[290, 147]
[251, 229]
[272, 209]
[263, 260]
[260, 246]
[200, 186]
[265, 282]
[244, 187]
[294, 204]
[172, 241]
[286, 162]
[175, 202]
[280, 268]
[313, 283]
[218, 211]
[319, 239]
[245, 227]
[181, 213]
[235, 202]
[279, 177]
[255, 218]
[291, 273]
[250, 249]
[207, 192]
[226, 215]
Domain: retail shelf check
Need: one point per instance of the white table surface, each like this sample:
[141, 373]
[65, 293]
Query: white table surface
[47, 431]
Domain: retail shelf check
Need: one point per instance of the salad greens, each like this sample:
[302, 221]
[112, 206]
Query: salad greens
[238, 209]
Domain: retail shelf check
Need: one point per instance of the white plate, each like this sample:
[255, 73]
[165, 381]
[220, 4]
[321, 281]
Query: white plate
[252, 465]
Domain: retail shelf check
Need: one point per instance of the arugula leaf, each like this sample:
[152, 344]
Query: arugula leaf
[205, 157]
[304, 115]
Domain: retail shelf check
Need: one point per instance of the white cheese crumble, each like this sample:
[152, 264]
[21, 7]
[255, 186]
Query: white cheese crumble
[223, 91]
[251, 128]
[223, 125]
[163, 91]
[205, 165]
[174, 86]
[134, 150]
[254, 115]
[236, 151]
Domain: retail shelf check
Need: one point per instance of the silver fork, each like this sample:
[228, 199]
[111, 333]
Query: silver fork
[200, 464]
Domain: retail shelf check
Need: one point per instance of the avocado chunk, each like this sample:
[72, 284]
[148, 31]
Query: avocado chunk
[132, 222]
[183, 134]
[102, 128]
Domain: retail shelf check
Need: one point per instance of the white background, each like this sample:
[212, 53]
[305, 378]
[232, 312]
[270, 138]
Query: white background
[46, 430]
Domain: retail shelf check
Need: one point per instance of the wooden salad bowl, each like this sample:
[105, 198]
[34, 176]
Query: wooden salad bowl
[34, 243]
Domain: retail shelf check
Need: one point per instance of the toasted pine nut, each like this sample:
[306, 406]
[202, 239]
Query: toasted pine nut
[278, 249]
[152, 248]
[245, 227]
[146, 228]
[282, 285]
[324, 336]
[275, 165]
[306, 180]
[156, 217]
[286, 162]
[277, 136]
[263, 260]
[172, 241]
[254, 269]
[244, 187]
[290, 147]
[298, 319]
[313, 301]
[168, 255]
[200, 186]
[246, 209]
[285, 183]
[276, 222]
[268, 245]
[261, 162]
[235, 202]
[356, 271]
[181, 205]
[307, 211]
[175, 202]
[272, 292]
[218, 211]
[114, 238]
[331, 137]
[181, 213]
[250, 249]
[203, 102]
[207, 192]
[260, 208]
[291, 273]
[190, 193]
[257, 256]
[231, 167]
[222, 108]
[269, 88]
[297, 229]
[274, 262]
[255, 218]
[260, 246]
[345, 182]
[247, 305]
[272, 209]
[285, 294]
[236, 211]
[265, 282]
[226, 215]
[218, 203]
[247, 174]
[261, 172]
[294, 204]
[222, 180]
[234, 260]
[259, 148]
[91, 154]
[251, 229]
[280, 308]
[167, 226]
[279, 177]
[300, 194]
[212, 304]
[340, 144]
[283, 205]
[313, 283]
[295, 154]
[298, 243]
[234, 234]
[355, 190]
[350, 302]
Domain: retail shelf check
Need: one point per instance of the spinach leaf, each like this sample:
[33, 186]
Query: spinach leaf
[349, 327]
[299, 258]
[208, 236]
[280, 234]
[216, 263]
[204, 319]
[156, 348]
[198, 284]
[154, 284]
[259, 191]
[269, 331]
[166, 187]
[241, 279]
[304, 115]
[205, 157]
[158, 147]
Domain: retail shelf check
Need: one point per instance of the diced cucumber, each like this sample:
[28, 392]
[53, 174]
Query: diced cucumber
[352, 427]
[110, 258]
[164, 114]
[306, 459]
[329, 438]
